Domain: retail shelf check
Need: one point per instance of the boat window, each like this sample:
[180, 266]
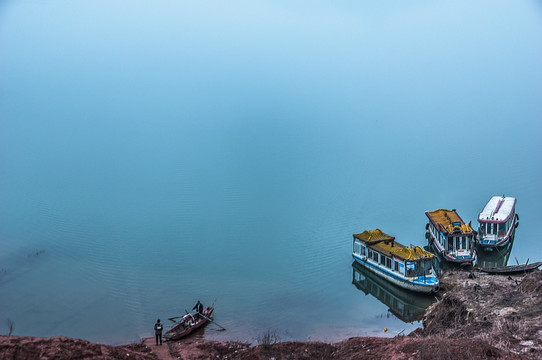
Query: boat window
[464, 240]
[369, 253]
[457, 243]
[388, 262]
[382, 259]
[395, 265]
[450, 244]
[489, 228]
[357, 247]
[427, 267]
[410, 269]
[502, 229]
[375, 256]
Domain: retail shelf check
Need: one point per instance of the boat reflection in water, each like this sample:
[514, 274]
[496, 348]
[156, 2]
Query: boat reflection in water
[496, 256]
[405, 305]
[485, 258]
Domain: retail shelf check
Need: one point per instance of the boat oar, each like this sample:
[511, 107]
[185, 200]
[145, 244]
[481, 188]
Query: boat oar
[214, 322]
[172, 319]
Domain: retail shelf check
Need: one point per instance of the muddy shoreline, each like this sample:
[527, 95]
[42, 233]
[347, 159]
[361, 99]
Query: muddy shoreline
[477, 316]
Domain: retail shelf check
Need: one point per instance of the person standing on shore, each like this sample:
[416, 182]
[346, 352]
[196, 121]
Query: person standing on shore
[158, 331]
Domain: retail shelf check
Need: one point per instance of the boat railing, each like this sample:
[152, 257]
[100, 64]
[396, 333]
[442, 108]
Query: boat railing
[490, 237]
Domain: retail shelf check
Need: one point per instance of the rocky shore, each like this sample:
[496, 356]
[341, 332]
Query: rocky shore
[478, 316]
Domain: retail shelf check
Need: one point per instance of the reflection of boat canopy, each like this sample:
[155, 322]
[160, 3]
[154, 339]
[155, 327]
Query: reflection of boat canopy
[385, 244]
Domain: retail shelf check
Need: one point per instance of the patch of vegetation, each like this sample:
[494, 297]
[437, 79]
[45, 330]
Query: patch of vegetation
[11, 326]
[268, 338]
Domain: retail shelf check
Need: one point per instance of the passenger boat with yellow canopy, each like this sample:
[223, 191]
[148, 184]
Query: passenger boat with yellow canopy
[408, 267]
[454, 239]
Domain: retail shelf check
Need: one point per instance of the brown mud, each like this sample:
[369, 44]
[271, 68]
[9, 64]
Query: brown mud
[505, 311]
[478, 316]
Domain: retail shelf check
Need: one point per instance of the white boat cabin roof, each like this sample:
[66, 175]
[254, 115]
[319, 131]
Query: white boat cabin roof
[498, 209]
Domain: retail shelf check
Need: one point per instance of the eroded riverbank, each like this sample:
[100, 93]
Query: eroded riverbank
[478, 316]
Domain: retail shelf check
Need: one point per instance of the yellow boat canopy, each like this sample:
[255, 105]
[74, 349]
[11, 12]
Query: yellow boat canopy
[385, 244]
[448, 221]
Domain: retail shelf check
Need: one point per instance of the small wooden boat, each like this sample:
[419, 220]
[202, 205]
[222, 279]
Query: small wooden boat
[189, 324]
[512, 269]
[453, 238]
[497, 222]
[408, 267]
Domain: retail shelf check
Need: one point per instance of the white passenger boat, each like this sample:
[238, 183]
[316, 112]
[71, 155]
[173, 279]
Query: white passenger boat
[453, 239]
[497, 222]
[408, 267]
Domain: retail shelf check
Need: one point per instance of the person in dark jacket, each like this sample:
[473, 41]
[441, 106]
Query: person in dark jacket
[199, 309]
[158, 327]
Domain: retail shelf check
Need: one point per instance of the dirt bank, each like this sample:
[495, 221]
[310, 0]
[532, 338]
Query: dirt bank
[370, 348]
[401, 348]
[505, 311]
[63, 348]
[477, 316]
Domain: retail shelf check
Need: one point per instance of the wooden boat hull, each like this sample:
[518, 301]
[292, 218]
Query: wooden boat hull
[512, 269]
[181, 330]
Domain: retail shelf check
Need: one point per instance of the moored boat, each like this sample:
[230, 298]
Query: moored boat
[453, 239]
[512, 269]
[497, 222]
[189, 324]
[407, 267]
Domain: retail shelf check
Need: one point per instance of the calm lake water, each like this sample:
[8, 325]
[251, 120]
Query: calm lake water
[154, 153]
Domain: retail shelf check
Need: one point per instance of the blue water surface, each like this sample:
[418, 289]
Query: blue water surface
[156, 153]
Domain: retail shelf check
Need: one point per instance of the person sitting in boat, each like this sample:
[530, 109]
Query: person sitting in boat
[188, 321]
[199, 309]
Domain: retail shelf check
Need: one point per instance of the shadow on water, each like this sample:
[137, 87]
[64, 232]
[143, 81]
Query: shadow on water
[407, 306]
[486, 258]
[18, 264]
[495, 257]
